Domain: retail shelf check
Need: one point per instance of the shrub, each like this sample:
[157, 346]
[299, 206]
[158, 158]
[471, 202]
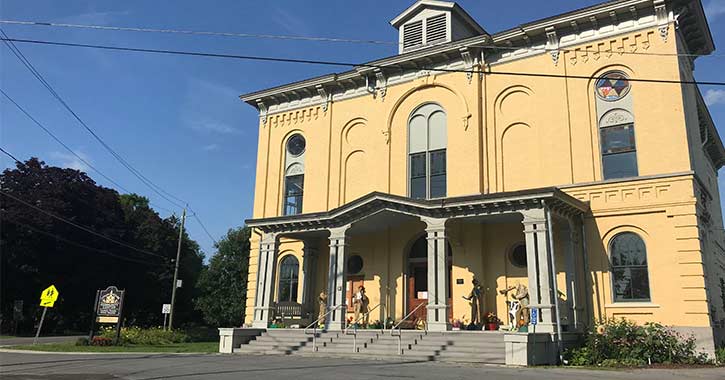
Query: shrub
[82, 342]
[101, 341]
[151, 336]
[720, 355]
[624, 343]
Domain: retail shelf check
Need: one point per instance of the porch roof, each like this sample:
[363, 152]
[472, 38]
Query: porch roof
[453, 207]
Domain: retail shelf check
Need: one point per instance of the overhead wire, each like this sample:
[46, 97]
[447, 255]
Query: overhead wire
[346, 64]
[81, 227]
[11, 156]
[67, 241]
[316, 38]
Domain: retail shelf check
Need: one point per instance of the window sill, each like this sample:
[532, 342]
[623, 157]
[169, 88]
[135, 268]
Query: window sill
[632, 305]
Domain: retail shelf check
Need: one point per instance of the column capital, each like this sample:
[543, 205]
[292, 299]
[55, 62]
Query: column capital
[339, 232]
[533, 216]
[269, 238]
[434, 224]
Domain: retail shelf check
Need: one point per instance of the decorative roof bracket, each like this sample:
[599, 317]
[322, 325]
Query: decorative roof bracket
[469, 60]
[663, 19]
[552, 44]
[324, 95]
[382, 83]
[262, 110]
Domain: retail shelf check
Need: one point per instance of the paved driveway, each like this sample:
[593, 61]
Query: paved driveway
[29, 366]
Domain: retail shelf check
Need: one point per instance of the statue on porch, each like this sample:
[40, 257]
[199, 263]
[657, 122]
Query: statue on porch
[361, 302]
[518, 306]
[323, 308]
[475, 299]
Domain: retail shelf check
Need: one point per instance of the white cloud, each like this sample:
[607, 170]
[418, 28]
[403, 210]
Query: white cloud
[713, 97]
[212, 126]
[715, 9]
[290, 23]
[69, 161]
[94, 18]
[210, 147]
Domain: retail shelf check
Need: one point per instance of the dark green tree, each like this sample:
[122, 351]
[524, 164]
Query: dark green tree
[223, 284]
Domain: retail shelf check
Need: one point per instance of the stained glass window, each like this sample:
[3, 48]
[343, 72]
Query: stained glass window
[630, 277]
[612, 86]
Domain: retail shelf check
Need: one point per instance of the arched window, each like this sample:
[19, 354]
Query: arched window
[630, 277]
[294, 180]
[616, 126]
[289, 272]
[427, 139]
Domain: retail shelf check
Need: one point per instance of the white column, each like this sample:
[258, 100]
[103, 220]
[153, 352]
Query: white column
[336, 282]
[573, 283]
[265, 281]
[538, 268]
[437, 308]
[309, 269]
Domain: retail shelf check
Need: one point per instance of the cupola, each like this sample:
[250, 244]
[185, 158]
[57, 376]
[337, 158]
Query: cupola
[431, 22]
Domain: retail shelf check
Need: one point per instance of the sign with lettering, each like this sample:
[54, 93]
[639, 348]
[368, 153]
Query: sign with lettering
[49, 296]
[108, 309]
[534, 316]
[166, 308]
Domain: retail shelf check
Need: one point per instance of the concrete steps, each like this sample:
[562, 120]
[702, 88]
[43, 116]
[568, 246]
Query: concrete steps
[469, 347]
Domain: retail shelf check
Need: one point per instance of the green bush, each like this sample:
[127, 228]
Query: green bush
[720, 355]
[150, 336]
[82, 342]
[624, 343]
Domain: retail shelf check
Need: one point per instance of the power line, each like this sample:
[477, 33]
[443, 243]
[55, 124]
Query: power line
[79, 157]
[347, 64]
[81, 227]
[118, 157]
[203, 227]
[81, 245]
[316, 39]
[11, 156]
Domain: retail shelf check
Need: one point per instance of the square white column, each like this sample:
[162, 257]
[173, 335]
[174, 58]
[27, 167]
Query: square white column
[336, 283]
[268, 249]
[309, 271]
[437, 308]
[539, 269]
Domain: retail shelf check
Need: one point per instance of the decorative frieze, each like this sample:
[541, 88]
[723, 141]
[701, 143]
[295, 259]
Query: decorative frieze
[298, 116]
[607, 49]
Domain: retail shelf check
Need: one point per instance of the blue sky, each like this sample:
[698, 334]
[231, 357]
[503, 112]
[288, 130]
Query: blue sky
[178, 119]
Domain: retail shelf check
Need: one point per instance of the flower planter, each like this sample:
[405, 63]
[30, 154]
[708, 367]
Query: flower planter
[492, 326]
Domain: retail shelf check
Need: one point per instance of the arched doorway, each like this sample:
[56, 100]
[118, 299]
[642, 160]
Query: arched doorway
[417, 273]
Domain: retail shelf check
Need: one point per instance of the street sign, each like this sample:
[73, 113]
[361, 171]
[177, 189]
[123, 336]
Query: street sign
[166, 308]
[178, 283]
[49, 296]
[108, 309]
[534, 316]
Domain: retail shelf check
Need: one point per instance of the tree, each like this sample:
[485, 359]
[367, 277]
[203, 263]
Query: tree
[223, 284]
[39, 250]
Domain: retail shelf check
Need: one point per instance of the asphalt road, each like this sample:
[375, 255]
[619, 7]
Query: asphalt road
[30, 366]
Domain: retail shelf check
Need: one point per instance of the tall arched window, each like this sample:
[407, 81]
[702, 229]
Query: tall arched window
[427, 139]
[289, 272]
[630, 276]
[616, 126]
[294, 179]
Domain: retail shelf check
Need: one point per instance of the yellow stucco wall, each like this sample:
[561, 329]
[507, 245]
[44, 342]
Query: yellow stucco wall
[508, 133]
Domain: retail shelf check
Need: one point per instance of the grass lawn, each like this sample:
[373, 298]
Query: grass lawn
[195, 347]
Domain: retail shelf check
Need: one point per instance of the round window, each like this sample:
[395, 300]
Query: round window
[354, 264]
[296, 145]
[518, 256]
[612, 86]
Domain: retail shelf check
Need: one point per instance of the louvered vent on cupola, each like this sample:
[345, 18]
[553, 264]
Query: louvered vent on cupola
[430, 22]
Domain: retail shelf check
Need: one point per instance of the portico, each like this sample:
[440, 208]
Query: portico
[443, 223]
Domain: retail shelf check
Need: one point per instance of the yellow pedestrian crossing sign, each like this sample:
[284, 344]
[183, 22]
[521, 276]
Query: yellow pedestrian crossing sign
[48, 296]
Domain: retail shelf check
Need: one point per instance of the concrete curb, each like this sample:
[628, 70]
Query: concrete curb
[5, 350]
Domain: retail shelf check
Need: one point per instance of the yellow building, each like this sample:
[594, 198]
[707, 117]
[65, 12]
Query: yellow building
[563, 154]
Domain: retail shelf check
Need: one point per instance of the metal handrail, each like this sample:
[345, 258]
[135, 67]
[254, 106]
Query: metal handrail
[400, 333]
[316, 323]
[354, 326]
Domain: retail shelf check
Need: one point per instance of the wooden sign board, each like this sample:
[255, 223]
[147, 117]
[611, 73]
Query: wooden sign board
[108, 308]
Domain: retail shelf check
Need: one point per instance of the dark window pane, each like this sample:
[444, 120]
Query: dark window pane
[438, 186]
[438, 162]
[620, 165]
[417, 188]
[417, 165]
[618, 139]
[288, 279]
[294, 189]
[284, 290]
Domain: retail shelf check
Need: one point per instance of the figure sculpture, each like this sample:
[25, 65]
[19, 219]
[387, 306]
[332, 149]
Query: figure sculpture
[475, 299]
[519, 305]
[323, 308]
[361, 302]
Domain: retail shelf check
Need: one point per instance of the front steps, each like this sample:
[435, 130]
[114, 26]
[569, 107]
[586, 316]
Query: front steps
[451, 346]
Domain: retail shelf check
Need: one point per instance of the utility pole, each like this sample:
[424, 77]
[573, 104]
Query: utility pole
[176, 271]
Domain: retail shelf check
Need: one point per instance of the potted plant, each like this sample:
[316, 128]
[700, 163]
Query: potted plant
[456, 324]
[492, 321]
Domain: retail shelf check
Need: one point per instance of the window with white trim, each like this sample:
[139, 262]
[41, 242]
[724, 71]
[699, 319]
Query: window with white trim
[616, 126]
[630, 274]
[427, 139]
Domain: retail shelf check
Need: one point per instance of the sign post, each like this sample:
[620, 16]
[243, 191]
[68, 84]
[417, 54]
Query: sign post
[47, 299]
[534, 320]
[109, 309]
[165, 310]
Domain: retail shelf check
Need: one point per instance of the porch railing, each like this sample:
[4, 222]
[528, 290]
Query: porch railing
[400, 332]
[354, 325]
[316, 323]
